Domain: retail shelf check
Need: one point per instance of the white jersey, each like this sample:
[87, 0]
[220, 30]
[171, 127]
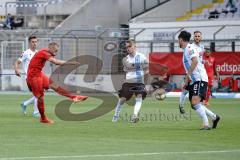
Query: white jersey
[200, 49]
[199, 73]
[26, 57]
[133, 66]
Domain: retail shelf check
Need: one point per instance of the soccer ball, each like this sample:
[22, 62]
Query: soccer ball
[160, 94]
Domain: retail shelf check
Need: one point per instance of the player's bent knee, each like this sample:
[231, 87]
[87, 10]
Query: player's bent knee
[39, 96]
[195, 100]
[123, 99]
[139, 96]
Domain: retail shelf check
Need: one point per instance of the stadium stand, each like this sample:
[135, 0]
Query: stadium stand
[39, 14]
[163, 13]
[141, 7]
[221, 9]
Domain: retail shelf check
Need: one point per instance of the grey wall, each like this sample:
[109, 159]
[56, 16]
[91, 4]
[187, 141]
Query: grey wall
[66, 7]
[124, 11]
[197, 3]
[94, 13]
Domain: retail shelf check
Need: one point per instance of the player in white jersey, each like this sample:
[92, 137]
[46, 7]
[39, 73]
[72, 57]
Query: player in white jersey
[135, 65]
[200, 49]
[198, 45]
[25, 59]
[197, 74]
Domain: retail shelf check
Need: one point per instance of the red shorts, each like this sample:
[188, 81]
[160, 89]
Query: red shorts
[210, 81]
[38, 84]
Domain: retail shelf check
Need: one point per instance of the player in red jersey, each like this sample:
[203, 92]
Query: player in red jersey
[38, 82]
[209, 63]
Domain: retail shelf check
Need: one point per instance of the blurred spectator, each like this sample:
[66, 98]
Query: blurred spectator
[229, 84]
[18, 21]
[238, 81]
[231, 6]
[2, 24]
[214, 14]
[226, 84]
[234, 85]
[9, 21]
[12, 22]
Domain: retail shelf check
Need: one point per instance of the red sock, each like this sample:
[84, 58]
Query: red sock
[64, 92]
[208, 95]
[40, 104]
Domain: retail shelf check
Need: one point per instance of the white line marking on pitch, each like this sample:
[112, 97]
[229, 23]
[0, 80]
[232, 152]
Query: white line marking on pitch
[120, 155]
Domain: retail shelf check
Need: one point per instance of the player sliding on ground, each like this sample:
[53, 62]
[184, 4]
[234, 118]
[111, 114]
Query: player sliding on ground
[197, 74]
[25, 59]
[135, 65]
[38, 82]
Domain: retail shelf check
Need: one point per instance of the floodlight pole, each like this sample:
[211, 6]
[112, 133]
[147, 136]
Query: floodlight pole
[6, 9]
[191, 6]
[45, 16]
[131, 8]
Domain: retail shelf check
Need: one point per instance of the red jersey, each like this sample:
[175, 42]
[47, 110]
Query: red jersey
[210, 66]
[37, 63]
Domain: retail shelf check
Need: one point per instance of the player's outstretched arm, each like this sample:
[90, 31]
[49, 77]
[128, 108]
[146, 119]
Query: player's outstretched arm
[61, 62]
[17, 72]
[56, 61]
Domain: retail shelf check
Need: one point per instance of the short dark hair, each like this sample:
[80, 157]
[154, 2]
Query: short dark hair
[31, 37]
[197, 32]
[207, 49]
[185, 36]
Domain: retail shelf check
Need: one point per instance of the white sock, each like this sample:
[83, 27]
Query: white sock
[35, 106]
[202, 113]
[118, 108]
[209, 113]
[137, 106]
[29, 101]
[183, 97]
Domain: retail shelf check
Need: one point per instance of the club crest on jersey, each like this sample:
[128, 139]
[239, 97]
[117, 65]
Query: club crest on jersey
[21, 55]
[191, 52]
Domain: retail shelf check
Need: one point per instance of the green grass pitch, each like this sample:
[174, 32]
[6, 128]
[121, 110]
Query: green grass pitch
[161, 133]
